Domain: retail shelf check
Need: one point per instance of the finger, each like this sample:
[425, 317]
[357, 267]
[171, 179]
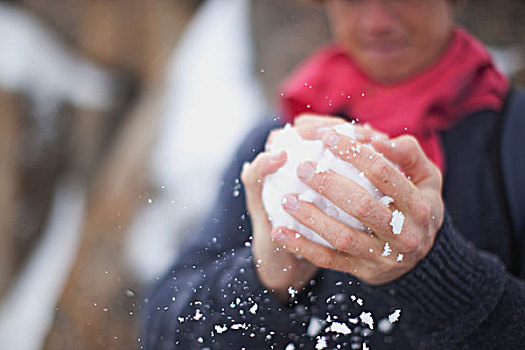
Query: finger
[379, 170]
[252, 175]
[317, 254]
[342, 237]
[407, 153]
[349, 196]
[318, 120]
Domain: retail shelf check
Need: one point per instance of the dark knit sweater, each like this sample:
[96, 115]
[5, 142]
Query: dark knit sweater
[468, 293]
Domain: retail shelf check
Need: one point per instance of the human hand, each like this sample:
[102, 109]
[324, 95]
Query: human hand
[277, 268]
[360, 253]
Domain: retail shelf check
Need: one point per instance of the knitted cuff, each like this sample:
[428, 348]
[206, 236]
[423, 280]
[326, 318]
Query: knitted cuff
[454, 283]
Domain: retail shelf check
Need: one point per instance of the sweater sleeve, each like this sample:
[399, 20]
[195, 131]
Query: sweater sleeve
[211, 297]
[460, 297]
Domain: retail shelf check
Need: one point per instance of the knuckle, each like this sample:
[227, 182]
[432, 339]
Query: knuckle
[411, 243]
[325, 181]
[363, 206]
[410, 141]
[381, 170]
[423, 213]
[323, 260]
[343, 240]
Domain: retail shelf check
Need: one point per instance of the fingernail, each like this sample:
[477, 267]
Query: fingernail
[280, 236]
[322, 131]
[358, 136]
[277, 156]
[305, 171]
[290, 202]
[386, 142]
[331, 139]
[379, 136]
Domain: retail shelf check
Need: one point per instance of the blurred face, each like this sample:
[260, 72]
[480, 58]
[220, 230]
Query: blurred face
[392, 40]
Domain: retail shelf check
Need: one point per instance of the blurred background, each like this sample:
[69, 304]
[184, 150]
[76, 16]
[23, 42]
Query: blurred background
[117, 118]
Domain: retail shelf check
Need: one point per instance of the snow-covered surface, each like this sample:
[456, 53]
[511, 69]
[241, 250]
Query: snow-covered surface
[27, 311]
[34, 61]
[212, 100]
[285, 181]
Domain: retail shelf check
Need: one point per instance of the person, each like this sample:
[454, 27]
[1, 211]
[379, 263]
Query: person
[452, 279]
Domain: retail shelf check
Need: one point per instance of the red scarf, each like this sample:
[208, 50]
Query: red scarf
[463, 81]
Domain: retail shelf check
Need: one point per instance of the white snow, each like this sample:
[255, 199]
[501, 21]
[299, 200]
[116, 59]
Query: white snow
[28, 309]
[198, 315]
[366, 318]
[386, 250]
[220, 328]
[253, 309]
[339, 327]
[285, 181]
[386, 200]
[212, 100]
[346, 129]
[314, 327]
[321, 343]
[34, 61]
[290, 346]
[394, 317]
[397, 222]
[384, 326]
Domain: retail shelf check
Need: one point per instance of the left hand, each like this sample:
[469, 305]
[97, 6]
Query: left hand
[358, 252]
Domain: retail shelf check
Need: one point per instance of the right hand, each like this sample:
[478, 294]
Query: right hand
[278, 269]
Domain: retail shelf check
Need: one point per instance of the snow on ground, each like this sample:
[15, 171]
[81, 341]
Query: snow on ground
[34, 61]
[211, 102]
[28, 309]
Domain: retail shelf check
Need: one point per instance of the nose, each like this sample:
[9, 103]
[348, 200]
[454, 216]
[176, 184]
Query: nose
[377, 17]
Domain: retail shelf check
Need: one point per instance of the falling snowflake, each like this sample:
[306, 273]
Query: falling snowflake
[397, 222]
[394, 317]
[366, 318]
[321, 343]
[220, 329]
[198, 315]
[386, 251]
[338, 327]
[314, 327]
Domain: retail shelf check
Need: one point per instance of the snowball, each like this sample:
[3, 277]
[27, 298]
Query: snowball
[397, 222]
[285, 180]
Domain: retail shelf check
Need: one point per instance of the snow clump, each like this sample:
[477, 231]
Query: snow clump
[285, 180]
